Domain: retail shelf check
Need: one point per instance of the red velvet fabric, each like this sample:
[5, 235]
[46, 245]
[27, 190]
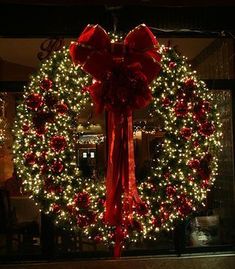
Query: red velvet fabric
[122, 73]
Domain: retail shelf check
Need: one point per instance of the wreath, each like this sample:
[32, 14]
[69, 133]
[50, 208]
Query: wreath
[181, 173]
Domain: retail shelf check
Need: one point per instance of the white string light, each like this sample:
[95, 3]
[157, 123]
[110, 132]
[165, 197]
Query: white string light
[170, 182]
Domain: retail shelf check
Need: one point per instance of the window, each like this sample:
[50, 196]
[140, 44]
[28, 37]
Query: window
[84, 155]
[32, 233]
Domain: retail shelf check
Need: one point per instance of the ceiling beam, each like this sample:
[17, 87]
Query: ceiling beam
[67, 21]
[159, 3]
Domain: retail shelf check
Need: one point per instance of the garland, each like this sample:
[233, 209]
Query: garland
[181, 173]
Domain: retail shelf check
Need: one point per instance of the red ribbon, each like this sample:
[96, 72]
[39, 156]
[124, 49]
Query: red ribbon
[122, 73]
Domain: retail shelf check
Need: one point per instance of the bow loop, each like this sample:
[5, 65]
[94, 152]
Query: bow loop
[143, 45]
[141, 39]
[94, 37]
[97, 55]
[91, 51]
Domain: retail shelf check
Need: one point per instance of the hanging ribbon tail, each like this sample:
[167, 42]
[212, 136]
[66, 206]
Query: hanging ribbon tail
[114, 169]
[130, 180]
[120, 177]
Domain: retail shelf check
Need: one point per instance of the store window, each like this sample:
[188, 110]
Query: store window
[213, 225]
[31, 233]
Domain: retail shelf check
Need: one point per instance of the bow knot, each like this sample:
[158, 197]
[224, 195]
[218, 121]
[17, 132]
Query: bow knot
[118, 50]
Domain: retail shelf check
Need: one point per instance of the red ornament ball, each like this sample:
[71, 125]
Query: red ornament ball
[71, 209]
[166, 174]
[166, 101]
[194, 164]
[44, 169]
[82, 199]
[170, 191]
[34, 101]
[25, 128]
[186, 132]
[141, 208]
[61, 108]
[156, 222]
[46, 84]
[207, 129]
[58, 143]
[185, 208]
[101, 202]
[196, 143]
[172, 65]
[184, 205]
[30, 158]
[199, 112]
[97, 238]
[56, 189]
[181, 109]
[205, 183]
[55, 208]
[82, 220]
[57, 167]
[41, 130]
[42, 158]
[189, 83]
[206, 105]
[204, 173]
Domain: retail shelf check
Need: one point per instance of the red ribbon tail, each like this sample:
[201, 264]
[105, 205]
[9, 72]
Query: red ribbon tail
[130, 180]
[114, 170]
[121, 166]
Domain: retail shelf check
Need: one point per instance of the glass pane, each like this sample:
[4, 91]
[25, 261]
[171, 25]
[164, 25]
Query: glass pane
[216, 60]
[214, 224]
[20, 220]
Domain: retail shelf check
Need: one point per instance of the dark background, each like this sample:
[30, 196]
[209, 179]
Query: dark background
[67, 18]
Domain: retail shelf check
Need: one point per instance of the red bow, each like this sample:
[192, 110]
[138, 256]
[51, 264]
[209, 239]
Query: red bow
[95, 52]
[122, 72]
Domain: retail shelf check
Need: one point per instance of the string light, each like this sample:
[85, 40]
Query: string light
[91, 139]
[175, 187]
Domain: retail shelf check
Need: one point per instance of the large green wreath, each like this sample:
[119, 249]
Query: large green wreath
[45, 154]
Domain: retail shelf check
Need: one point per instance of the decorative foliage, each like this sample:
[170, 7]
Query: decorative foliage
[45, 138]
[187, 166]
